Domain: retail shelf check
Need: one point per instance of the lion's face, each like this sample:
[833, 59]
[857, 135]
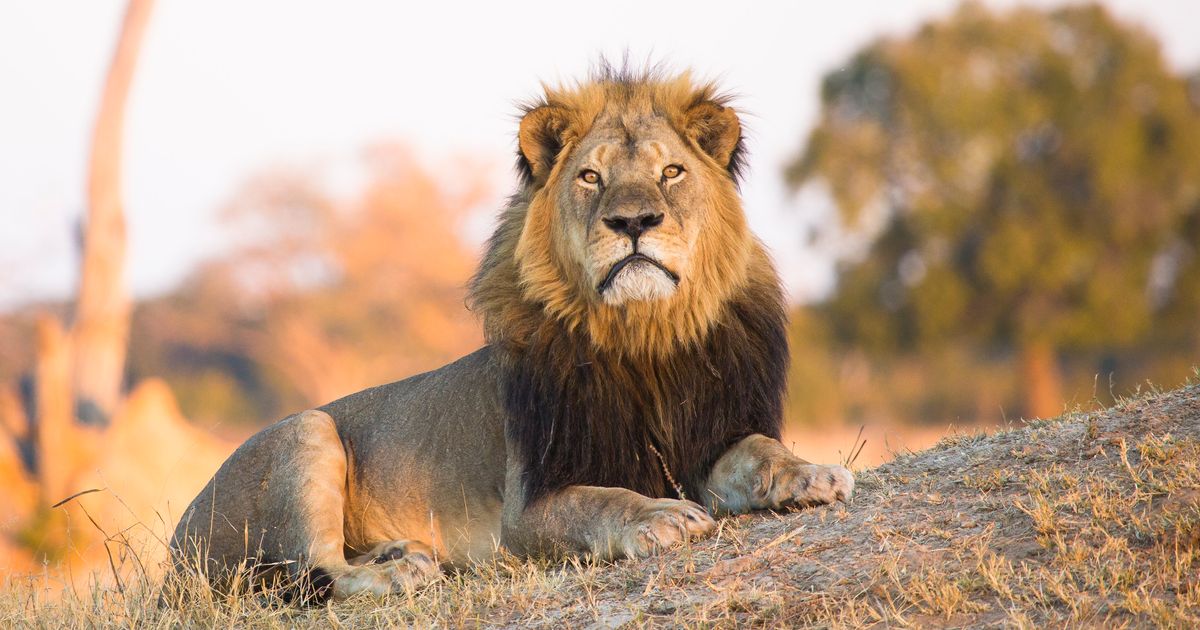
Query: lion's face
[629, 225]
[631, 203]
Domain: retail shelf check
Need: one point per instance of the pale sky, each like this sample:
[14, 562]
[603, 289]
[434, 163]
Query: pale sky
[226, 88]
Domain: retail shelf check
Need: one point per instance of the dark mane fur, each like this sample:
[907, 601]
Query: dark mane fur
[583, 409]
[580, 415]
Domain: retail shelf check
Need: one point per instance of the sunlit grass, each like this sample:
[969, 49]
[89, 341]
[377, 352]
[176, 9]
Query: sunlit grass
[1088, 520]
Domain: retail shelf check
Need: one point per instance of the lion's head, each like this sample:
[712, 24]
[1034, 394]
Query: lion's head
[628, 225]
[641, 325]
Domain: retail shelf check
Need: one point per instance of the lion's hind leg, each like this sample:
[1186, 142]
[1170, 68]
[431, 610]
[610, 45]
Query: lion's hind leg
[388, 567]
[272, 516]
[308, 504]
[392, 550]
[300, 506]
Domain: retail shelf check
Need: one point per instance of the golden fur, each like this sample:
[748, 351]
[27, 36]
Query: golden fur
[631, 388]
[530, 271]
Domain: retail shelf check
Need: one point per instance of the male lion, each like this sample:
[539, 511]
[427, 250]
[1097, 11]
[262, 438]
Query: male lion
[631, 385]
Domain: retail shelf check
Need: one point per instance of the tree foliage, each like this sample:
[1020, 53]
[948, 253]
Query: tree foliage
[1031, 179]
[323, 296]
[1038, 172]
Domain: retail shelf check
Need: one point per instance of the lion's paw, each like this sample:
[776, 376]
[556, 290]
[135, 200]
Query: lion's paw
[391, 568]
[661, 524]
[809, 484]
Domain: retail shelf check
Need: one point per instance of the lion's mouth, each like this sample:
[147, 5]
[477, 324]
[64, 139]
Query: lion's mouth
[615, 270]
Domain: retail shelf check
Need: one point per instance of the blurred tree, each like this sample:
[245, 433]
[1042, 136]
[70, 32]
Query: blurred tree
[100, 331]
[320, 296]
[1028, 179]
[357, 294]
[75, 386]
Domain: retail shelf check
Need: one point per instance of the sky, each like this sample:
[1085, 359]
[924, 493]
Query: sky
[228, 88]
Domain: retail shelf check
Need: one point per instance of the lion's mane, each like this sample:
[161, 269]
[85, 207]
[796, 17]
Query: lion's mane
[639, 395]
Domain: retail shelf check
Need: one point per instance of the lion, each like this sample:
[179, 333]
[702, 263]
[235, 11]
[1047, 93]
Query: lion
[630, 390]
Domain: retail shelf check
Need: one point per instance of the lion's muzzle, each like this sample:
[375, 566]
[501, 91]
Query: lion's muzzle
[633, 226]
[633, 258]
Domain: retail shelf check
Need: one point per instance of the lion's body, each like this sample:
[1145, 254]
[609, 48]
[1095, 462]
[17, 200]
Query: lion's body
[636, 363]
[393, 442]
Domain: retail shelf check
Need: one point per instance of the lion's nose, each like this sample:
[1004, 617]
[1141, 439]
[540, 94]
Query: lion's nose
[634, 226]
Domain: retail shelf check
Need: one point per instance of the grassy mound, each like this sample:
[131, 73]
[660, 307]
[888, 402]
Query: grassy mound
[1091, 519]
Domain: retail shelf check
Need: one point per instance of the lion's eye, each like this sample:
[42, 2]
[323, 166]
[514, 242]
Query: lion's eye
[588, 176]
[672, 171]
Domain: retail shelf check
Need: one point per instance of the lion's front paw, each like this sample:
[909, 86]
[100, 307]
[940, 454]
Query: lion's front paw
[809, 484]
[663, 523]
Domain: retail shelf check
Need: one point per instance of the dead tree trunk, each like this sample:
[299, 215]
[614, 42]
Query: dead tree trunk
[100, 331]
[1042, 380]
[58, 439]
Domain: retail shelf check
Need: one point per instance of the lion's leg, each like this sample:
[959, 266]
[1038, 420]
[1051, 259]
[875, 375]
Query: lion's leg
[607, 523]
[392, 550]
[760, 473]
[311, 515]
[388, 567]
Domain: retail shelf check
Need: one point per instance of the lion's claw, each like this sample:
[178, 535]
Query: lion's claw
[810, 484]
[395, 569]
[663, 523]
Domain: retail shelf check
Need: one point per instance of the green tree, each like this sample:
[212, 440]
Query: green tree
[1028, 179]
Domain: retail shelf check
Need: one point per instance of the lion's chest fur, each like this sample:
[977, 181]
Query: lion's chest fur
[583, 416]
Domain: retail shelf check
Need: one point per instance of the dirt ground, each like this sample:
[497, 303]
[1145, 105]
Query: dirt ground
[1089, 520]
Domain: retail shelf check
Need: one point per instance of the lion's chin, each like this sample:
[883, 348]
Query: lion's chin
[638, 281]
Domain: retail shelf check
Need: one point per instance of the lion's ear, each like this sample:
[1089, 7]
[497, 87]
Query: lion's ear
[718, 132]
[539, 141]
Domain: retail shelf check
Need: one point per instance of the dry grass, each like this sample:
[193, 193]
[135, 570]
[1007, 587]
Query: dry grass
[1092, 519]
